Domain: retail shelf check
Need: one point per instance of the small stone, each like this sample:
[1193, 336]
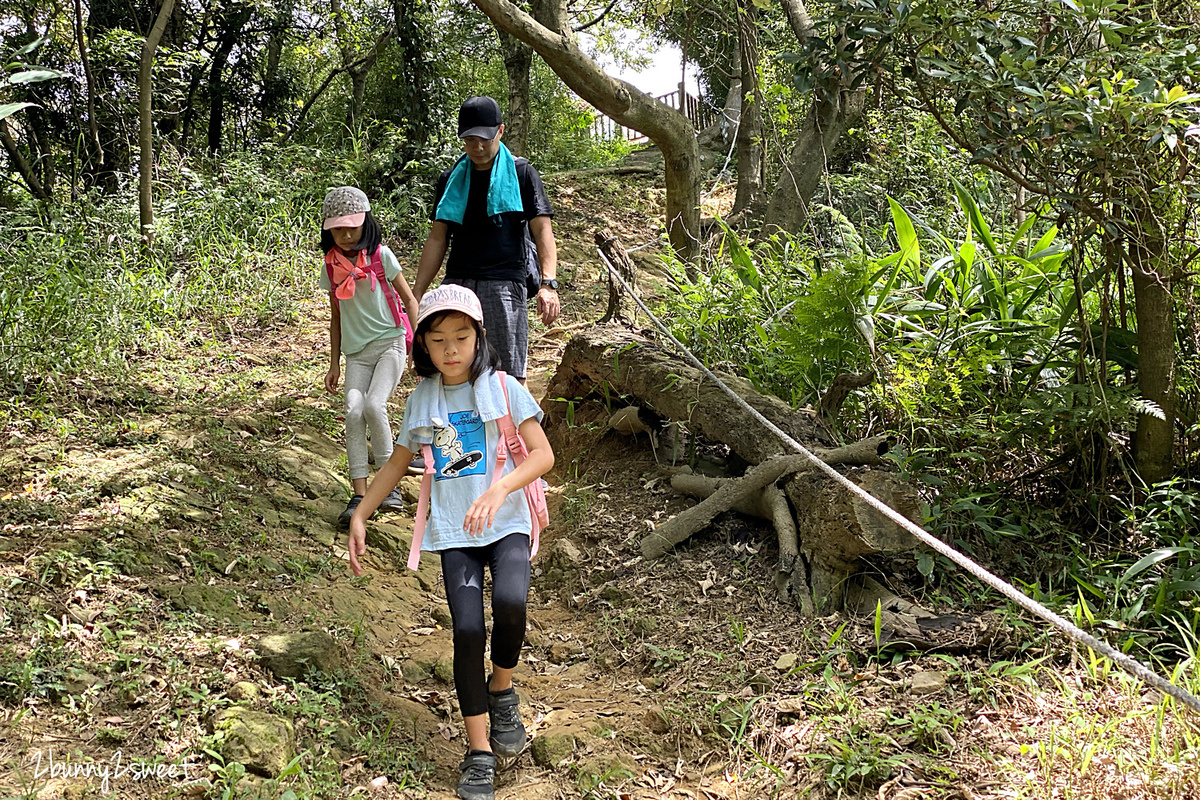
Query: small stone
[293, 655]
[657, 721]
[613, 594]
[786, 661]
[560, 653]
[343, 735]
[270, 566]
[441, 615]
[262, 742]
[78, 681]
[244, 691]
[551, 749]
[626, 421]
[928, 683]
[416, 671]
[790, 705]
[443, 669]
[410, 488]
[760, 682]
[564, 554]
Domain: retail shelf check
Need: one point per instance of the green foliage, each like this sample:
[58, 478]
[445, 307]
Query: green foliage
[234, 246]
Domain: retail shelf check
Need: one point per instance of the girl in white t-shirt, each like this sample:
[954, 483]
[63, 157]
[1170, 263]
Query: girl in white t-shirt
[368, 325]
[474, 520]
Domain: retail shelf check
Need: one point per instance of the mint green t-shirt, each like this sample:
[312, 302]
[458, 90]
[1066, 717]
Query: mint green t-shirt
[366, 317]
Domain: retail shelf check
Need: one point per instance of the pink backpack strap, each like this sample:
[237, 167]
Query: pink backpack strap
[414, 551]
[393, 299]
[510, 441]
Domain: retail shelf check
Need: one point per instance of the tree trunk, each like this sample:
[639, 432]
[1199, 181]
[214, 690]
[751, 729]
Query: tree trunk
[518, 62]
[829, 115]
[620, 305]
[234, 21]
[21, 163]
[631, 364]
[41, 146]
[628, 106]
[828, 118]
[93, 126]
[188, 127]
[1154, 310]
[145, 126]
[749, 131]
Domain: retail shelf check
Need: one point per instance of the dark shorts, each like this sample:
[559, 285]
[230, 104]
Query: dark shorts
[506, 318]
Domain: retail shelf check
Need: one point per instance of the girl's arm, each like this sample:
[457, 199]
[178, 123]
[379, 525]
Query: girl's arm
[482, 513]
[335, 345]
[407, 297]
[385, 480]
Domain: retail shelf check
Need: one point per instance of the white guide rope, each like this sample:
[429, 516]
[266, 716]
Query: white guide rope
[1130, 665]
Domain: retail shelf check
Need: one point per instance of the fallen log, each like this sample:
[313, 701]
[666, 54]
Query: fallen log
[820, 547]
[587, 172]
[630, 364]
[727, 492]
[823, 529]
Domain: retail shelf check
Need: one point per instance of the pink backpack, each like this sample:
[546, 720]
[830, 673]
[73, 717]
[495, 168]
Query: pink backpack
[377, 275]
[510, 442]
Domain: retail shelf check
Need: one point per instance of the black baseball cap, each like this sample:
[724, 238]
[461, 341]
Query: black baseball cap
[479, 116]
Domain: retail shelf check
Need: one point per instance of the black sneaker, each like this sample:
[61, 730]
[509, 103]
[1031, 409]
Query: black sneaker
[507, 736]
[344, 517]
[417, 465]
[393, 502]
[478, 776]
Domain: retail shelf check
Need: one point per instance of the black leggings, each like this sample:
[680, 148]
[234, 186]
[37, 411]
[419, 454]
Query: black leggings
[462, 571]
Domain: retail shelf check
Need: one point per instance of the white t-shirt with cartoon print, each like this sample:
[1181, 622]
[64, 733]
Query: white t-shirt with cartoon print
[464, 459]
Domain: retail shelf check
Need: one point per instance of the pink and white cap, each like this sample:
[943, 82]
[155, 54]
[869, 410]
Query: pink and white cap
[345, 207]
[450, 297]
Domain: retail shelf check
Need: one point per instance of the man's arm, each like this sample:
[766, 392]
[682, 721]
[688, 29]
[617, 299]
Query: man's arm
[432, 255]
[547, 249]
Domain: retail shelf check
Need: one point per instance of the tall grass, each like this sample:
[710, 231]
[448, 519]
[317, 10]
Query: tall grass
[235, 244]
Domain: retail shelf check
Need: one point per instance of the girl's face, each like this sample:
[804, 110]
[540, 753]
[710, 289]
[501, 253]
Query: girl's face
[346, 238]
[450, 343]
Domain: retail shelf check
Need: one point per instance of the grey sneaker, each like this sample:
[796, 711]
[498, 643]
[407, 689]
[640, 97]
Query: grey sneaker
[393, 502]
[478, 776]
[417, 465]
[507, 736]
[344, 517]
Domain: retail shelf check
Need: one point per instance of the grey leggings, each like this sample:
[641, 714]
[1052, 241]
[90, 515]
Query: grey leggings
[371, 376]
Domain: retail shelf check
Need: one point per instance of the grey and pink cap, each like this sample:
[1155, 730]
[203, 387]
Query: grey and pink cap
[345, 207]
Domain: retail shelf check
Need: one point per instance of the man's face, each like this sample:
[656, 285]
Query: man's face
[482, 152]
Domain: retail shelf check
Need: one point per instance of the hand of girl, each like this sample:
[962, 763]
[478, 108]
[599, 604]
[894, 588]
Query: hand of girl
[482, 512]
[331, 379]
[356, 544]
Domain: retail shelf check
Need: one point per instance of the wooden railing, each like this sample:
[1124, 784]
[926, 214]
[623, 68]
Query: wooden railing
[693, 107]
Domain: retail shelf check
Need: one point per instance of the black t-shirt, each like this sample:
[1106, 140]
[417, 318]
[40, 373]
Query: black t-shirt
[483, 248]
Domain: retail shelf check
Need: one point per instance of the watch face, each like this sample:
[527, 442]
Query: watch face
[553, 284]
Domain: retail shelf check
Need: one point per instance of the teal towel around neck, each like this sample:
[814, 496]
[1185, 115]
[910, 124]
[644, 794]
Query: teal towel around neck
[504, 193]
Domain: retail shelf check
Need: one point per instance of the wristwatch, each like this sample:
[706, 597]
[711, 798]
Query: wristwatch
[553, 284]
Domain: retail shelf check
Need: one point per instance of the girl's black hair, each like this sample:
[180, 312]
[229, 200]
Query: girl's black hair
[486, 355]
[372, 236]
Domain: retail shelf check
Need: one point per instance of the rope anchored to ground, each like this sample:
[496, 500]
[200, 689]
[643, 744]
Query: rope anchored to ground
[1126, 662]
